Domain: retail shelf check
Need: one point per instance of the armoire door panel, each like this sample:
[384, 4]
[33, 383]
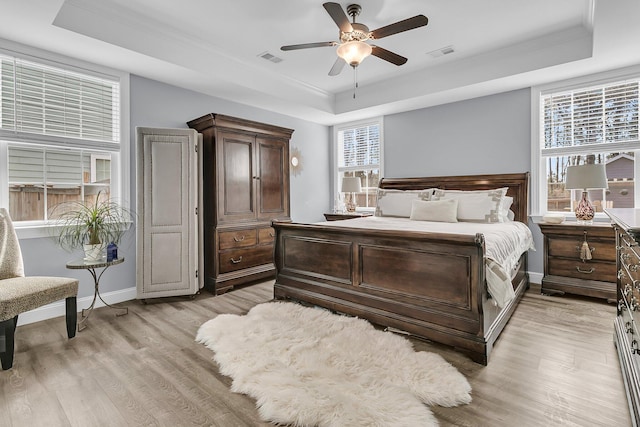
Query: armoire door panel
[273, 185]
[237, 186]
[167, 197]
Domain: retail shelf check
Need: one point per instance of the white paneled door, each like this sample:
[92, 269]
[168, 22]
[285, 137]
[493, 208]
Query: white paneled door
[168, 248]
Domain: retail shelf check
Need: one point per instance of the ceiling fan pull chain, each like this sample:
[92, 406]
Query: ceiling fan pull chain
[355, 81]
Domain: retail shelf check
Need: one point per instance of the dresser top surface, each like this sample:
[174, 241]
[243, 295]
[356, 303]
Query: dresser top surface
[626, 218]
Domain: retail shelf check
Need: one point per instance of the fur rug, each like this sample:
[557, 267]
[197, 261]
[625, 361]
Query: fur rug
[307, 366]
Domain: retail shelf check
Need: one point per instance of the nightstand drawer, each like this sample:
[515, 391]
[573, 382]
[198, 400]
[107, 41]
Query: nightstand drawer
[602, 271]
[569, 248]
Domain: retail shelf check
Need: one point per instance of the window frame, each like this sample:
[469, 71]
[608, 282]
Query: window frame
[121, 168]
[538, 165]
[379, 120]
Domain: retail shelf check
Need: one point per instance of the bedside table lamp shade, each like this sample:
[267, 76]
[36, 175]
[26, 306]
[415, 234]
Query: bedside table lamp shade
[585, 177]
[351, 185]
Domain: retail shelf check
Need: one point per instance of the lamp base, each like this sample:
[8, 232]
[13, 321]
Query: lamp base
[350, 203]
[584, 211]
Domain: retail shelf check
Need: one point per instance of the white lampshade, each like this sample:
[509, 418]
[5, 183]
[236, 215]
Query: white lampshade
[354, 52]
[586, 176]
[351, 184]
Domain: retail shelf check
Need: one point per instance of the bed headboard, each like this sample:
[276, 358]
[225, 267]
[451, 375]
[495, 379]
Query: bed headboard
[518, 184]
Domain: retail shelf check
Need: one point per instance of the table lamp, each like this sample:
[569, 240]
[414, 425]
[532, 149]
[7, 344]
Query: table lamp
[585, 177]
[351, 185]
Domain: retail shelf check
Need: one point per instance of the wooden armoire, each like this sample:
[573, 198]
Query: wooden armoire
[245, 186]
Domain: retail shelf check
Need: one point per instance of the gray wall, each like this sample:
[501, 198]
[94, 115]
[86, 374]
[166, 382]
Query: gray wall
[491, 134]
[483, 135]
[154, 104]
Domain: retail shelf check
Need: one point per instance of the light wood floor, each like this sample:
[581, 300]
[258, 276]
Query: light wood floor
[555, 364]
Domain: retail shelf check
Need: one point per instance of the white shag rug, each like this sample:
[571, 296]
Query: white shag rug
[309, 367]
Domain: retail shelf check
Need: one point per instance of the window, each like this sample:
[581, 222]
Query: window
[358, 151]
[588, 118]
[61, 134]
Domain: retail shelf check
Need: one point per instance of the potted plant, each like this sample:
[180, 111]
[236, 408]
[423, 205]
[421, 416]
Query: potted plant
[91, 226]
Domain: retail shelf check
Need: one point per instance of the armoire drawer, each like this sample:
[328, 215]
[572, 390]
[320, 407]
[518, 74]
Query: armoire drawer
[237, 259]
[266, 235]
[237, 238]
[591, 270]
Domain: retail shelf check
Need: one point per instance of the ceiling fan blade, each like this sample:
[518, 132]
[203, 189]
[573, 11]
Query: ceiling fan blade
[400, 26]
[339, 17]
[337, 67]
[307, 45]
[387, 55]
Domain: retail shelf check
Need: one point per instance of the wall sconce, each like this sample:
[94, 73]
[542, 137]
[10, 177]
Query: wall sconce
[296, 161]
[585, 177]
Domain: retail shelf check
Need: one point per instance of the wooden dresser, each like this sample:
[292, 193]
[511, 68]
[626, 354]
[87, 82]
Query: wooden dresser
[245, 187]
[575, 268]
[626, 326]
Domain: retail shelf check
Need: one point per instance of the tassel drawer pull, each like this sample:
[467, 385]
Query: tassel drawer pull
[591, 270]
[585, 250]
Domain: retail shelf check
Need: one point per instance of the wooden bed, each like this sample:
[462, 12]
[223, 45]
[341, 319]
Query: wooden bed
[380, 275]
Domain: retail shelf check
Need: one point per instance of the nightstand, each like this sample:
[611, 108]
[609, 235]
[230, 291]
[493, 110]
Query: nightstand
[345, 215]
[572, 267]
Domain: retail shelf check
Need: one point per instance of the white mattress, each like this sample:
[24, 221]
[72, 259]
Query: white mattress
[504, 244]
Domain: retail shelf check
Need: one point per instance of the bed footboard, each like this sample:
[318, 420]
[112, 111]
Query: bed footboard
[427, 284]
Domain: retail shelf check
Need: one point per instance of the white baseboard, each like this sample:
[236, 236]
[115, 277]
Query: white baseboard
[57, 309]
[535, 277]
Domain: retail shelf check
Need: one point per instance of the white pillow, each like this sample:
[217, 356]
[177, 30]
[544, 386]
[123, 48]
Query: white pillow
[507, 214]
[398, 202]
[477, 206]
[434, 210]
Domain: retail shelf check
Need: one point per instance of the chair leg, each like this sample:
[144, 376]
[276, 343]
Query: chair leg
[71, 316]
[7, 333]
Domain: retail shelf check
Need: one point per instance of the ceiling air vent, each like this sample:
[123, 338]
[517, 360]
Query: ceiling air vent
[270, 57]
[441, 52]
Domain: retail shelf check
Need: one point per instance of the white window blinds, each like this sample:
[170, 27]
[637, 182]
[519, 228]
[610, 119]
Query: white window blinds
[43, 100]
[605, 114]
[359, 147]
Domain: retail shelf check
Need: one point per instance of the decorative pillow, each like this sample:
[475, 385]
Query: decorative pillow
[435, 210]
[477, 206]
[507, 213]
[10, 256]
[398, 202]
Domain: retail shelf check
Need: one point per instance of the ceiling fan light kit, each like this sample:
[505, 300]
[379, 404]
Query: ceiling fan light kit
[352, 47]
[354, 52]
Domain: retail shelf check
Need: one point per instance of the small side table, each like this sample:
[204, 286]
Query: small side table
[81, 264]
[345, 215]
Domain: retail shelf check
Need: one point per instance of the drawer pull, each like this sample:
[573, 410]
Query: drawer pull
[621, 305]
[236, 239]
[628, 328]
[236, 261]
[272, 234]
[591, 270]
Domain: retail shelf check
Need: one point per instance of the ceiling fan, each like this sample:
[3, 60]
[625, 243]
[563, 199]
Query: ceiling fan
[352, 48]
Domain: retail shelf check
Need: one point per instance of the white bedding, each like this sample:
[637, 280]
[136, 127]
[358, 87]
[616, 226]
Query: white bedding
[504, 243]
